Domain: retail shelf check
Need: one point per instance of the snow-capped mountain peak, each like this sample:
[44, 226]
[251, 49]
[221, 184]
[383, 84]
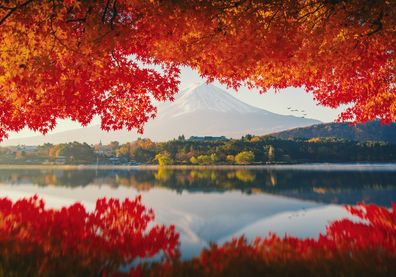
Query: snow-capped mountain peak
[199, 110]
[205, 97]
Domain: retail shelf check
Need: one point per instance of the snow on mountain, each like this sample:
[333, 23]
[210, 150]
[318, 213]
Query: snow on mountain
[200, 110]
[205, 97]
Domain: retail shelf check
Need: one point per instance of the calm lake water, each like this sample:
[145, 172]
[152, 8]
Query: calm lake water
[213, 205]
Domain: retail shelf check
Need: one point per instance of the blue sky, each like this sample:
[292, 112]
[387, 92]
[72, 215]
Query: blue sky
[297, 99]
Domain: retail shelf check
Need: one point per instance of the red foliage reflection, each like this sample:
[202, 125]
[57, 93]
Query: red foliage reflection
[347, 248]
[37, 241]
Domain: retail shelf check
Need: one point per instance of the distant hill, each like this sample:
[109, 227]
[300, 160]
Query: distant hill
[360, 132]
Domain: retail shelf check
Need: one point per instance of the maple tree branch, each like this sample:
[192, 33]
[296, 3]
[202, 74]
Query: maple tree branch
[271, 19]
[325, 16]
[83, 19]
[114, 14]
[105, 11]
[53, 31]
[377, 22]
[306, 15]
[12, 10]
[80, 19]
[114, 58]
[5, 7]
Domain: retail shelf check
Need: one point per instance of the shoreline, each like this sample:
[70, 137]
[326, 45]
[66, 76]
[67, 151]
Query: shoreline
[322, 166]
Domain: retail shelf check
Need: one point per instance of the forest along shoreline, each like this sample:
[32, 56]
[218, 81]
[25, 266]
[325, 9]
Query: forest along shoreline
[249, 150]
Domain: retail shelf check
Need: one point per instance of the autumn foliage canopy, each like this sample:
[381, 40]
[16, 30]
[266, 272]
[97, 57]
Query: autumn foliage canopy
[80, 58]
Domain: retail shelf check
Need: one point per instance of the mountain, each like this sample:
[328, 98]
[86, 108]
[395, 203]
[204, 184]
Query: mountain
[197, 111]
[360, 132]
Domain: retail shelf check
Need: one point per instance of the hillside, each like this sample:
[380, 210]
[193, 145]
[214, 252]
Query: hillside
[360, 132]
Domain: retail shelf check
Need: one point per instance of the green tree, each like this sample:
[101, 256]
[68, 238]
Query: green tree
[204, 159]
[270, 153]
[143, 150]
[43, 150]
[194, 160]
[213, 158]
[245, 157]
[123, 150]
[163, 159]
[230, 159]
[75, 152]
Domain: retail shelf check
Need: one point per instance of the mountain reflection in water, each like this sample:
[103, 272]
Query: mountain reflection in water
[213, 205]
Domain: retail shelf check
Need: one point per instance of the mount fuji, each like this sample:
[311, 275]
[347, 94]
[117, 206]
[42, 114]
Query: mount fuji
[200, 110]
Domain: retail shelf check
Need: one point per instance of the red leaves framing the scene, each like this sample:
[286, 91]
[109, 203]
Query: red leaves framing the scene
[72, 59]
[39, 241]
[77, 59]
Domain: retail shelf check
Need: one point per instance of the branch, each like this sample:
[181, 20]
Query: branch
[310, 13]
[377, 22]
[83, 19]
[105, 11]
[12, 10]
[53, 31]
[113, 16]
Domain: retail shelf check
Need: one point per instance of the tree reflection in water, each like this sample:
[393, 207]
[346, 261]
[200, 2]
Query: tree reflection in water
[326, 186]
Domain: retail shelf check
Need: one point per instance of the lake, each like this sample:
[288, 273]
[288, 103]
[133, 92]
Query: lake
[214, 204]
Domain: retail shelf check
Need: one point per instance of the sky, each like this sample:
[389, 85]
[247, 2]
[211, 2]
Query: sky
[296, 99]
